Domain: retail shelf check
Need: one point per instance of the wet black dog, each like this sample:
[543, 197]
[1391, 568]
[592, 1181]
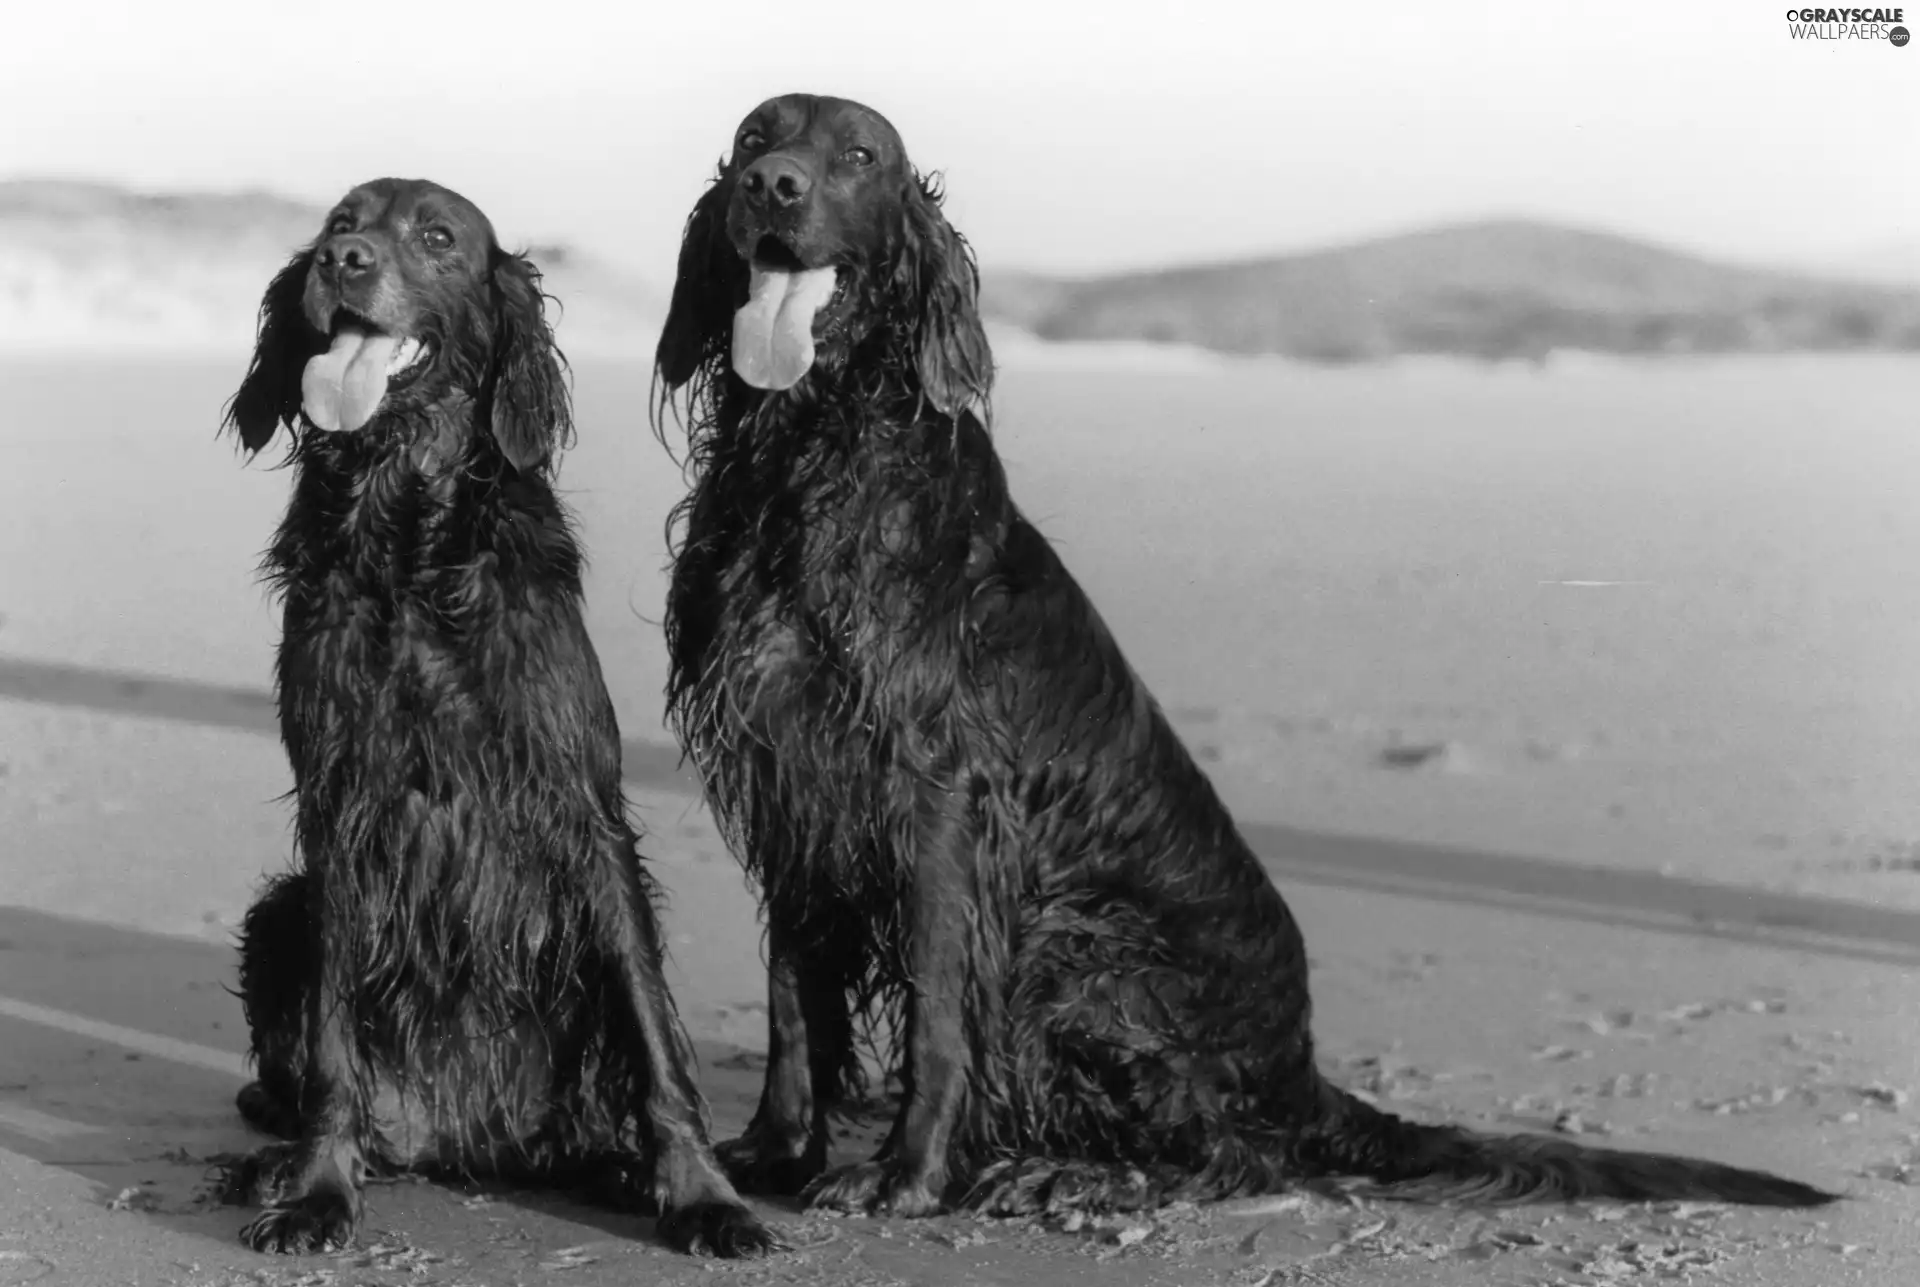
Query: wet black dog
[464, 971]
[962, 806]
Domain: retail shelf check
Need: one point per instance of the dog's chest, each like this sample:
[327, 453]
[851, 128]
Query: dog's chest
[403, 642]
[812, 622]
[398, 645]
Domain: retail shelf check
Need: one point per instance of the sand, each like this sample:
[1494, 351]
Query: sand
[1797, 1061]
[1476, 654]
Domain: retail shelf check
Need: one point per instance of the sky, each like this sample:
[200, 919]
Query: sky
[1074, 137]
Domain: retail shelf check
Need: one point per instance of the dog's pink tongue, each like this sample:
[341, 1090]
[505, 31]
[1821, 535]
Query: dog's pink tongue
[773, 330]
[341, 389]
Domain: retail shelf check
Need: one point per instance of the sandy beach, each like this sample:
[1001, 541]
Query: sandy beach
[119, 1053]
[1571, 708]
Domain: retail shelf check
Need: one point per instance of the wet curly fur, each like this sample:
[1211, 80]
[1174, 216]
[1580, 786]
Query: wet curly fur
[960, 804]
[463, 971]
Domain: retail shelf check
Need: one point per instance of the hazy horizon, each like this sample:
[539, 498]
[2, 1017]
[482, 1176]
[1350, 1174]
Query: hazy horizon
[1073, 138]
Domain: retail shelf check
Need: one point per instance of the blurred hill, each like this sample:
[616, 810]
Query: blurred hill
[94, 265]
[1888, 263]
[1487, 290]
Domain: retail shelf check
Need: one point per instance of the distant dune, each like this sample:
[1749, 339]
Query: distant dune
[1487, 290]
[1888, 263]
[96, 266]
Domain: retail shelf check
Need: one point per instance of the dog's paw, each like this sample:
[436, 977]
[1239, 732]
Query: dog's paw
[875, 1188]
[722, 1229]
[321, 1221]
[758, 1163]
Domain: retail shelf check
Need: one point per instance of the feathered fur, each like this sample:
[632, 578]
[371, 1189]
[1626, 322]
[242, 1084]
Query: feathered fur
[463, 970]
[957, 798]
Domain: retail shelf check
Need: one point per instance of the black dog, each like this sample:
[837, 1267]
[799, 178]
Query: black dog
[961, 804]
[465, 971]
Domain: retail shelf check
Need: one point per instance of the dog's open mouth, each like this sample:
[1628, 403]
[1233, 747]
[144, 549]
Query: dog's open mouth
[773, 331]
[342, 388]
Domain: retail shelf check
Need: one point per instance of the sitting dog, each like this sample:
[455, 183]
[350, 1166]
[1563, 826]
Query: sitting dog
[963, 809]
[464, 970]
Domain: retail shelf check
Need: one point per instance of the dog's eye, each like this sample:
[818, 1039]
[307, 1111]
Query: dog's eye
[857, 156]
[752, 140]
[339, 224]
[438, 239]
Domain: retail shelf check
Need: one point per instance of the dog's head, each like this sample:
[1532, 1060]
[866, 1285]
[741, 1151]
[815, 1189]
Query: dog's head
[405, 301]
[819, 246]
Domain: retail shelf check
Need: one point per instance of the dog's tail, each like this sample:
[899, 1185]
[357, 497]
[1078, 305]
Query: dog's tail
[1408, 1161]
[1377, 1155]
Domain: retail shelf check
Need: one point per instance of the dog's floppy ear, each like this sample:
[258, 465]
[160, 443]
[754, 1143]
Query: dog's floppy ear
[704, 287]
[527, 401]
[269, 396]
[937, 274]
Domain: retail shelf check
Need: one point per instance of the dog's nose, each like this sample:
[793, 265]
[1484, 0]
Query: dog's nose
[348, 256]
[777, 181]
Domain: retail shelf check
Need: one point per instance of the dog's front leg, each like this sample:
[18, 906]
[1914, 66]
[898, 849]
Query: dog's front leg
[809, 1037]
[909, 1175]
[699, 1209]
[319, 1199]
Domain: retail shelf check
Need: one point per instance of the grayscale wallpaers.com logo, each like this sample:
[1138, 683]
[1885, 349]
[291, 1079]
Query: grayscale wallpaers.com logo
[1848, 24]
